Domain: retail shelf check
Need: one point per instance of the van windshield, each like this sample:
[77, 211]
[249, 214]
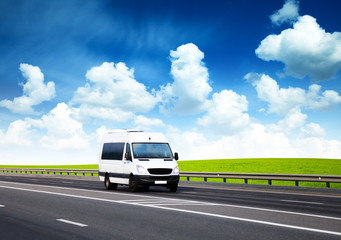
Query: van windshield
[152, 150]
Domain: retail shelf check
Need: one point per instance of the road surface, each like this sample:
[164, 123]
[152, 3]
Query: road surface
[53, 207]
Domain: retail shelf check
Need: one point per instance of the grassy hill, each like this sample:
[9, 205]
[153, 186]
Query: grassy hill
[265, 165]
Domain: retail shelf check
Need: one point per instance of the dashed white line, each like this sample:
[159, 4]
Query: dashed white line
[71, 222]
[293, 201]
[2, 205]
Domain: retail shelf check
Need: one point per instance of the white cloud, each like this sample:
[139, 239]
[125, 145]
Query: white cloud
[305, 49]
[226, 114]
[283, 100]
[288, 13]
[62, 131]
[112, 91]
[189, 92]
[18, 133]
[100, 132]
[294, 119]
[258, 141]
[312, 130]
[144, 123]
[87, 111]
[34, 91]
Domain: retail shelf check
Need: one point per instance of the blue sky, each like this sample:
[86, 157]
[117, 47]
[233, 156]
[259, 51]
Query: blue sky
[221, 79]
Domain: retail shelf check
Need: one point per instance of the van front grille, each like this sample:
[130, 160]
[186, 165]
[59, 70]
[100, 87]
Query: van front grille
[160, 171]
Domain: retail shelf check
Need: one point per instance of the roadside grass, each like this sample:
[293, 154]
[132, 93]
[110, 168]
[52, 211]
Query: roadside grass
[266, 165]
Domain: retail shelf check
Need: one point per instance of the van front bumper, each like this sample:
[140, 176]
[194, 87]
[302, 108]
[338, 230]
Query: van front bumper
[148, 180]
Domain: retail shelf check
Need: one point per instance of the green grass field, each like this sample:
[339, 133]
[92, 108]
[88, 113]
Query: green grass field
[267, 165]
[247, 165]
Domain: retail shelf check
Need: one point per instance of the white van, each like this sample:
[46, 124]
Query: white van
[138, 159]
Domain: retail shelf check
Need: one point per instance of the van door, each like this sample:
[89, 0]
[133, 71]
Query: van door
[112, 161]
[127, 163]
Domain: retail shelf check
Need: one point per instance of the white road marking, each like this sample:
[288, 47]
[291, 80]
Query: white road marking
[196, 212]
[2, 205]
[293, 201]
[166, 202]
[71, 222]
[252, 220]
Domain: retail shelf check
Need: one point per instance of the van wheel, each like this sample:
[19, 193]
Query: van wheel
[173, 188]
[108, 185]
[132, 184]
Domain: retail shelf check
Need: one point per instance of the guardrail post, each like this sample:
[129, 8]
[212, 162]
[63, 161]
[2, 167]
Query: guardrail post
[224, 180]
[296, 183]
[187, 178]
[245, 180]
[328, 184]
[205, 179]
[270, 182]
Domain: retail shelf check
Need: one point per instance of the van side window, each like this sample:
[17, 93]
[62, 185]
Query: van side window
[112, 151]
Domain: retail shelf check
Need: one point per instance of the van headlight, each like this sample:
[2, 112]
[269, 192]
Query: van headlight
[140, 169]
[176, 170]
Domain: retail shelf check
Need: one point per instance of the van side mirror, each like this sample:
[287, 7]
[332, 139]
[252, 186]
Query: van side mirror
[128, 156]
[176, 156]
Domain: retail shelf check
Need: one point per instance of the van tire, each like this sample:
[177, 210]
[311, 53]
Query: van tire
[132, 184]
[108, 185]
[173, 188]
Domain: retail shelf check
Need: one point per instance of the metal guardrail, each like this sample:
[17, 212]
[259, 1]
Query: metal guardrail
[205, 175]
[265, 176]
[77, 172]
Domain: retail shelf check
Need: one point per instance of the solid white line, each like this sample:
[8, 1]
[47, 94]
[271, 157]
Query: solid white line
[186, 211]
[71, 222]
[293, 201]
[251, 220]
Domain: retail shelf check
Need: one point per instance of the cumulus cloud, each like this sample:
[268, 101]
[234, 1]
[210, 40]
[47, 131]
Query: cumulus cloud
[312, 130]
[62, 131]
[87, 111]
[288, 13]
[34, 91]
[189, 92]
[258, 141]
[283, 100]
[18, 133]
[294, 119]
[112, 89]
[305, 49]
[226, 114]
[144, 123]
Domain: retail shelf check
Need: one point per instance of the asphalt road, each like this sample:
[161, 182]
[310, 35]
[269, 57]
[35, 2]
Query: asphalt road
[48, 207]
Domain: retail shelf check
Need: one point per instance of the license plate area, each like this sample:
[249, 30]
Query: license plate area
[160, 182]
